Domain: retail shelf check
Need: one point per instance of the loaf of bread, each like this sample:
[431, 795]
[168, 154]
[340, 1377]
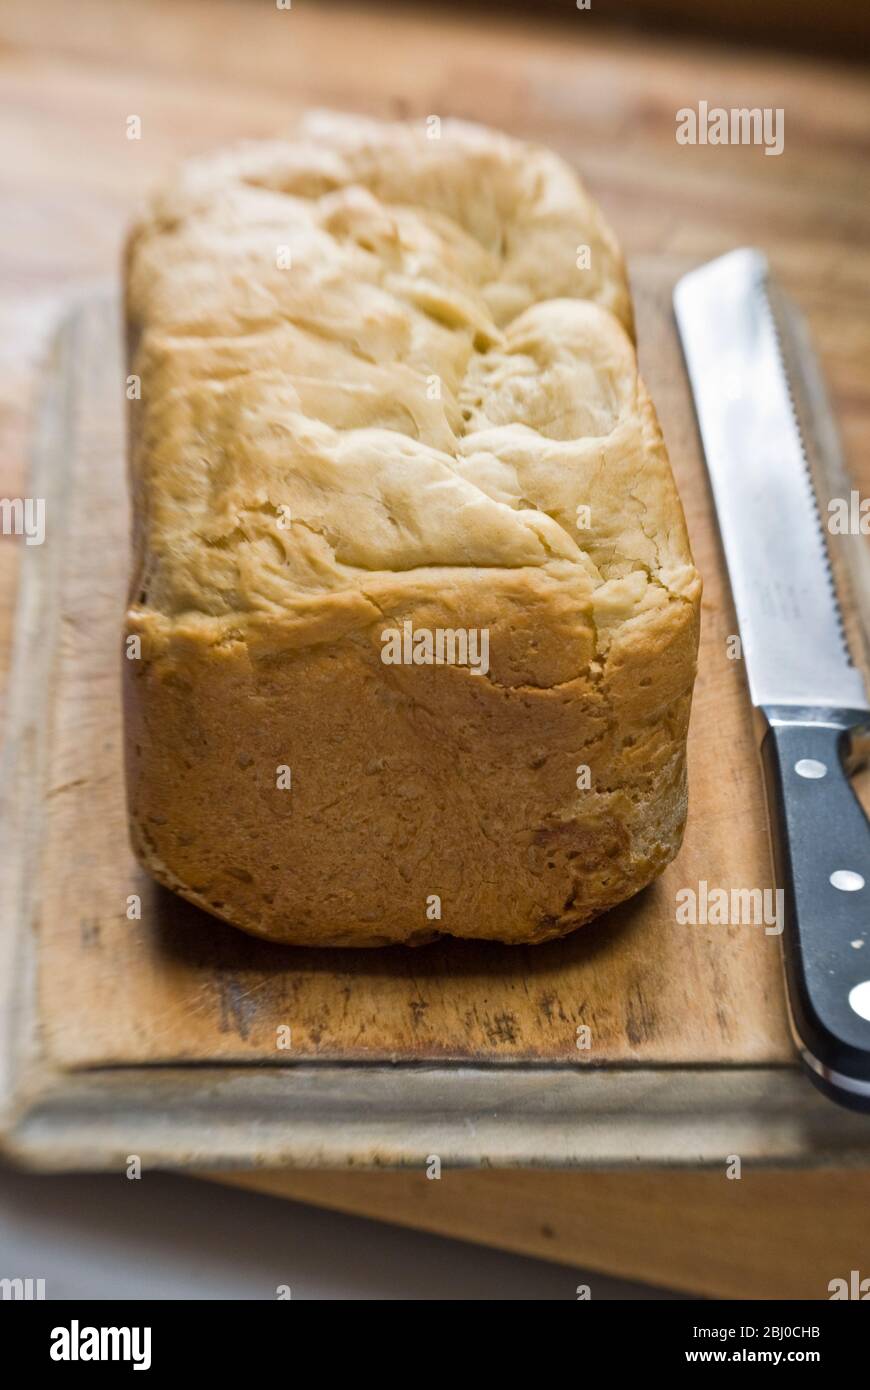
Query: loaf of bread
[413, 618]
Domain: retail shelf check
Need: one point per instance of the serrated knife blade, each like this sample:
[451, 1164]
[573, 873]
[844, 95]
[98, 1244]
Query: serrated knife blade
[787, 609]
[810, 697]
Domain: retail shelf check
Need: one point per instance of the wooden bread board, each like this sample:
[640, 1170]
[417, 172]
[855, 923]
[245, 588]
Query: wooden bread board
[159, 1035]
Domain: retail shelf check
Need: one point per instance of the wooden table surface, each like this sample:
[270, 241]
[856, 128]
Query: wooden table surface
[199, 75]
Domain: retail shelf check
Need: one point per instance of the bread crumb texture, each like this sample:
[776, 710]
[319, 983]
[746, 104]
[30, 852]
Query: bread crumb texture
[388, 384]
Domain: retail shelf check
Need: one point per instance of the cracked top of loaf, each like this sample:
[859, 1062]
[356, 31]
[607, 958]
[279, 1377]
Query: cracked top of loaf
[370, 357]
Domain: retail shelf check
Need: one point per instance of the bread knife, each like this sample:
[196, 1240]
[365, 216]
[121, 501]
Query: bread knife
[810, 699]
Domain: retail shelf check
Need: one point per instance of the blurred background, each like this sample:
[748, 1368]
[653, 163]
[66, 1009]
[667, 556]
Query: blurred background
[601, 86]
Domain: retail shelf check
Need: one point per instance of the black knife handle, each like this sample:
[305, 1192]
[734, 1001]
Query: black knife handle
[821, 846]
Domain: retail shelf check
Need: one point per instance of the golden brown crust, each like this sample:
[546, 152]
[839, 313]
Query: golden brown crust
[428, 416]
